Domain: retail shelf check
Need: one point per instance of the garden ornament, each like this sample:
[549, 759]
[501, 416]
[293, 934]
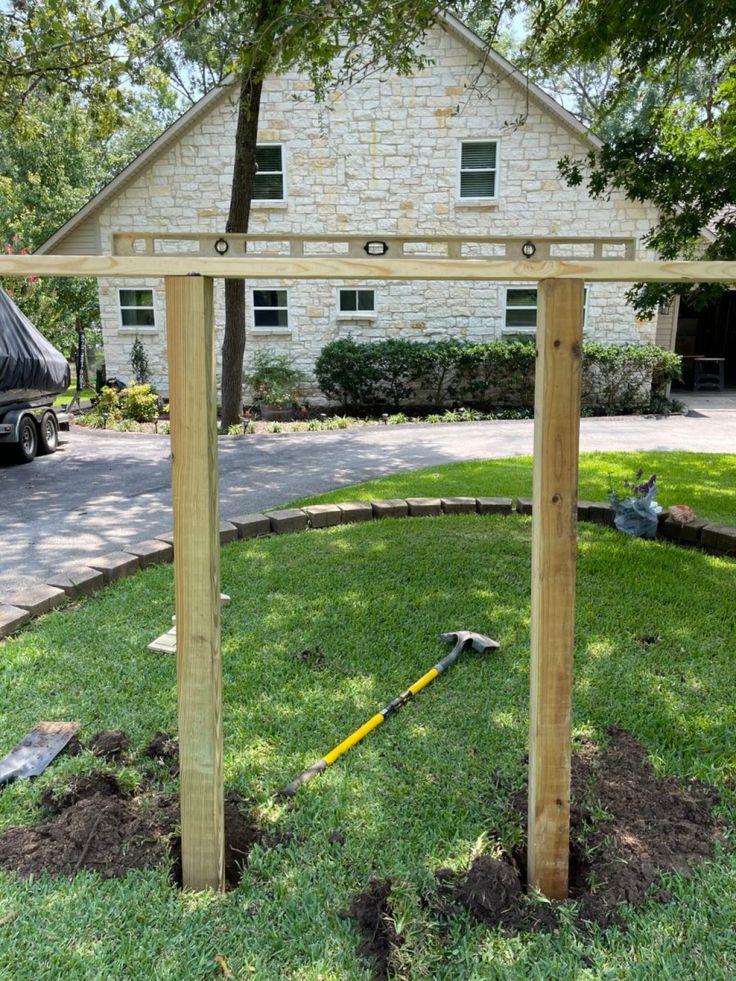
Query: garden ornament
[462, 639]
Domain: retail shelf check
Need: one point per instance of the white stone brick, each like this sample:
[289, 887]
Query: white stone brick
[382, 160]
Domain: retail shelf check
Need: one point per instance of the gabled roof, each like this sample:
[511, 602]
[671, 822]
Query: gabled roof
[177, 129]
[138, 164]
[509, 73]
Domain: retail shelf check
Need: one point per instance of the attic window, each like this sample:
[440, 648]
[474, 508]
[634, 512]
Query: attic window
[479, 170]
[269, 183]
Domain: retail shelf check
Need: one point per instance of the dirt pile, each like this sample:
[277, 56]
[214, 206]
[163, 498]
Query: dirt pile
[90, 822]
[627, 826]
[379, 940]
[105, 832]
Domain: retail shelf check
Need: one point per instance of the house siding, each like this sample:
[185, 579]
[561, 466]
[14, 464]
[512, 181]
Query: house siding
[379, 159]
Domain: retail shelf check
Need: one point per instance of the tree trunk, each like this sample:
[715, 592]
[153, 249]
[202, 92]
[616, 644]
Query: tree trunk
[244, 167]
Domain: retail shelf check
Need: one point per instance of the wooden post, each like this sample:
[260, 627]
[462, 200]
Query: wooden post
[193, 397]
[554, 545]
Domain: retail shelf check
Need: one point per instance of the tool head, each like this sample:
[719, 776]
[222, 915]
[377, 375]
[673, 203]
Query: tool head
[461, 639]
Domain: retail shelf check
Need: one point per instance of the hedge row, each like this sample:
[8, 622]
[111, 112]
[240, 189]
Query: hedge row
[617, 379]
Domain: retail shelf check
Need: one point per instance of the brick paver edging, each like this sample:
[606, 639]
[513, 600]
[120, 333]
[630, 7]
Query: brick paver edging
[20, 607]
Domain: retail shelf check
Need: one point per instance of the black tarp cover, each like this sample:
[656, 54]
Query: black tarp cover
[30, 367]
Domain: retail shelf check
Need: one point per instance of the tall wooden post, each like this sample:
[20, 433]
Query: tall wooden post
[193, 397]
[554, 546]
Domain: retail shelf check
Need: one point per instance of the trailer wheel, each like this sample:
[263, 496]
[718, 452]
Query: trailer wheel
[27, 445]
[48, 437]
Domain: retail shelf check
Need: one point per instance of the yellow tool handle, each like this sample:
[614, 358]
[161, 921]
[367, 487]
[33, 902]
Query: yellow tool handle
[353, 738]
[424, 681]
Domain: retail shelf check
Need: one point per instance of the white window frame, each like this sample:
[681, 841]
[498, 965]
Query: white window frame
[270, 330]
[485, 199]
[507, 329]
[131, 328]
[274, 202]
[356, 314]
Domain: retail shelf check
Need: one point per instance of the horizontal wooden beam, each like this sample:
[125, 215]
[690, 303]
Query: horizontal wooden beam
[501, 270]
[290, 245]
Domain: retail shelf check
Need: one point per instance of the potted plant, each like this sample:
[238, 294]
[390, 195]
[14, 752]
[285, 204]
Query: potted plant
[636, 512]
[275, 384]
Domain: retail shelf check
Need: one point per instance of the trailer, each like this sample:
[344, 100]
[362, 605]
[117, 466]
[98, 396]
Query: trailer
[32, 374]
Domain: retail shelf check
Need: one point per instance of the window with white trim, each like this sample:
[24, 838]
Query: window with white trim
[356, 303]
[269, 183]
[479, 170]
[521, 309]
[271, 311]
[136, 308]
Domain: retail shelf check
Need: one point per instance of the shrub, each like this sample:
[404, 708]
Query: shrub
[135, 404]
[438, 367]
[138, 403]
[139, 363]
[347, 372]
[107, 404]
[399, 363]
[274, 379]
[617, 379]
[500, 372]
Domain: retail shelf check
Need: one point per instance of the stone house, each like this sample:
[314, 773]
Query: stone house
[466, 146]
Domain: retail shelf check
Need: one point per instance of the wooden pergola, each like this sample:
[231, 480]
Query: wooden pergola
[193, 398]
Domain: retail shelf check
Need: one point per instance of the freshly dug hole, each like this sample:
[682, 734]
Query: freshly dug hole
[652, 825]
[379, 939]
[94, 825]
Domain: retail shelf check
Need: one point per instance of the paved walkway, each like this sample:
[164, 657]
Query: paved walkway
[102, 490]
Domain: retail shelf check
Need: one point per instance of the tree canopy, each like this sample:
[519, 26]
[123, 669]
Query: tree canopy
[668, 121]
[49, 168]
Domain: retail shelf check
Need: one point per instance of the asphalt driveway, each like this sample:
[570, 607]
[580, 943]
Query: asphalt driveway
[103, 490]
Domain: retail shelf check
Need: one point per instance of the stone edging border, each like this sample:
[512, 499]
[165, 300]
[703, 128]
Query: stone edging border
[33, 601]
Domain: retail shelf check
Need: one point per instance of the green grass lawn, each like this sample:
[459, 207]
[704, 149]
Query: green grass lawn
[65, 397]
[705, 481]
[423, 790]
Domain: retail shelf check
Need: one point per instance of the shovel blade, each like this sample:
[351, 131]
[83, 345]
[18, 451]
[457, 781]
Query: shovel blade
[36, 750]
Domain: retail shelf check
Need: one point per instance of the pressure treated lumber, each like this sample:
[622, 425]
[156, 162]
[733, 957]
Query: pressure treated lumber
[257, 267]
[554, 539]
[193, 399]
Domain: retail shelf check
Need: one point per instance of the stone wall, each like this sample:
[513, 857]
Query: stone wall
[380, 159]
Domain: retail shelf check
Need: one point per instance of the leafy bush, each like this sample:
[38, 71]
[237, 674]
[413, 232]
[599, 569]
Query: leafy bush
[498, 372]
[107, 403]
[438, 368]
[139, 363]
[347, 372]
[274, 379]
[138, 403]
[617, 379]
